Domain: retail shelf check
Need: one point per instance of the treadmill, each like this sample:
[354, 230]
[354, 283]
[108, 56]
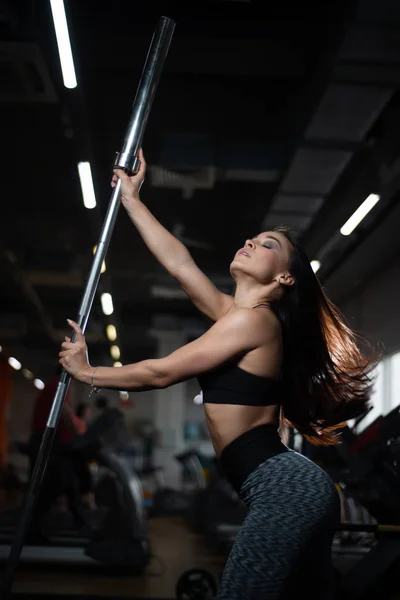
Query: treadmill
[120, 540]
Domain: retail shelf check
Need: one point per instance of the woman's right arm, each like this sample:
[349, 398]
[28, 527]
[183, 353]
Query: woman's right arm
[169, 251]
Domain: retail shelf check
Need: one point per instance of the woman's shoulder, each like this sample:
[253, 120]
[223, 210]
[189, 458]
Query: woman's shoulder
[263, 320]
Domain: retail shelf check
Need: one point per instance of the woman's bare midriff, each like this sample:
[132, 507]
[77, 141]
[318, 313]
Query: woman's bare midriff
[226, 422]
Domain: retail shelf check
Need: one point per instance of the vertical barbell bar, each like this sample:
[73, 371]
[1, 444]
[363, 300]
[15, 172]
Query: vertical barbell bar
[127, 160]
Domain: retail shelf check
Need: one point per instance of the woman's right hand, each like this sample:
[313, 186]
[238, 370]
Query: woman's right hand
[130, 186]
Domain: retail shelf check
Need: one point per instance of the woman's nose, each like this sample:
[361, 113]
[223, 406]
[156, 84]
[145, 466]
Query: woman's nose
[250, 243]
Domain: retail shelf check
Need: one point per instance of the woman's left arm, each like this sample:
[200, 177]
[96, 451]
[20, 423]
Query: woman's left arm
[231, 337]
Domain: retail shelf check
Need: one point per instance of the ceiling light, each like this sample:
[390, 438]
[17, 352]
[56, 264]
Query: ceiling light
[115, 352]
[63, 43]
[28, 374]
[85, 176]
[315, 265]
[14, 363]
[111, 333]
[360, 214]
[117, 364]
[1, 348]
[107, 303]
[38, 383]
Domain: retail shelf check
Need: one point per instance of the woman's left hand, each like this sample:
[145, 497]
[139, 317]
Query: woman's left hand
[74, 356]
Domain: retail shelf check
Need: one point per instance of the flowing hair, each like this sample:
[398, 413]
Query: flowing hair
[328, 378]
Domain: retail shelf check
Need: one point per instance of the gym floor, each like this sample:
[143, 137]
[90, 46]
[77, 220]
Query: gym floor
[175, 547]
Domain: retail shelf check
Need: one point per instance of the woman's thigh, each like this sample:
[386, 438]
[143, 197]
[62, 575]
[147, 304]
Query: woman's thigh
[284, 543]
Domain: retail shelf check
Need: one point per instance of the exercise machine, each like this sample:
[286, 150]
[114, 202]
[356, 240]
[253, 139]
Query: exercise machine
[366, 465]
[169, 501]
[196, 584]
[375, 575]
[217, 511]
[119, 539]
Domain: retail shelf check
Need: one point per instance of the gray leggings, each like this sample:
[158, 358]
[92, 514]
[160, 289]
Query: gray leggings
[284, 545]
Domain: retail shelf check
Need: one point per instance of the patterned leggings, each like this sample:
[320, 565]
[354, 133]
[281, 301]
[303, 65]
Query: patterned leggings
[284, 545]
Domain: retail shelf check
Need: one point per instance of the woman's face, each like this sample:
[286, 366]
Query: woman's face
[264, 257]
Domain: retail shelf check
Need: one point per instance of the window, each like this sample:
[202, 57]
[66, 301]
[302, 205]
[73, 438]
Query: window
[377, 398]
[394, 380]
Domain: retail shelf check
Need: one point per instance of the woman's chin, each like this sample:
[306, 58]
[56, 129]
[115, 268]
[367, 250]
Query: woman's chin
[233, 268]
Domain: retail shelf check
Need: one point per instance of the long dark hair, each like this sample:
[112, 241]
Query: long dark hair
[328, 377]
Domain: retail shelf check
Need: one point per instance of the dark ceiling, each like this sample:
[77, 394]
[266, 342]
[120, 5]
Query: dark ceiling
[284, 114]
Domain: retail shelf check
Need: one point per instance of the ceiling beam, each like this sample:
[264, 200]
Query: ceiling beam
[55, 279]
[26, 291]
[92, 337]
[196, 55]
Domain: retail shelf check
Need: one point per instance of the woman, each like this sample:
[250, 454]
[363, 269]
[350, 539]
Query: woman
[278, 349]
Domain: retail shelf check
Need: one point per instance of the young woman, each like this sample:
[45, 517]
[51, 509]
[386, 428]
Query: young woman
[278, 351]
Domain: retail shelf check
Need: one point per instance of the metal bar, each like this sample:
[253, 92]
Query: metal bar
[378, 528]
[127, 160]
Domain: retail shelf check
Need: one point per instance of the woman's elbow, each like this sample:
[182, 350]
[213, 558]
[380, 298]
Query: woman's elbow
[163, 377]
[160, 377]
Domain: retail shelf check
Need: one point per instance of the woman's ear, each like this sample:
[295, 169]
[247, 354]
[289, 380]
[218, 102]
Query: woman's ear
[285, 279]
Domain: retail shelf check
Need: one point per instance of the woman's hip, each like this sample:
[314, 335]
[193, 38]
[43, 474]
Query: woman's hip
[293, 483]
[244, 454]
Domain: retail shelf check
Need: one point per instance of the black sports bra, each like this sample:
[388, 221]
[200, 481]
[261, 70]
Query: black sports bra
[229, 384]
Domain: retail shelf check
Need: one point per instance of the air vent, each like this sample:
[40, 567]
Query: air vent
[187, 180]
[167, 293]
[24, 76]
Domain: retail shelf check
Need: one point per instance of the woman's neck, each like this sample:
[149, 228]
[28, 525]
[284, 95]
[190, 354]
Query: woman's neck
[249, 296]
[249, 293]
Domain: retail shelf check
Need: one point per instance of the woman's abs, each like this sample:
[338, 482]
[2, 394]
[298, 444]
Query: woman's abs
[227, 422]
